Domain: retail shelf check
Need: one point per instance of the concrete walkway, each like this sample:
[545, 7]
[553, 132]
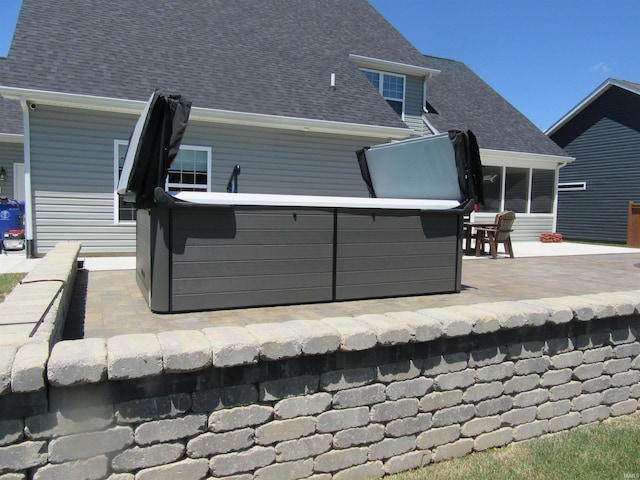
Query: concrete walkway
[107, 301]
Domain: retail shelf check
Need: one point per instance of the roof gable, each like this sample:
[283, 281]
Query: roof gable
[272, 58]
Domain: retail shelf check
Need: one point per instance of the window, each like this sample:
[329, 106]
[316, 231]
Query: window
[516, 189]
[542, 193]
[391, 87]
[492, 187]
[572, 186]
[190, 171]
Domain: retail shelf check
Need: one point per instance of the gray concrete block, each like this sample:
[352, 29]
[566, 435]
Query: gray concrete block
[622, 336]
[582, 311]
[392, 410]
[457, 449]
[232, 346]
[557, 313]
[585, 401]
[209, 444]
[19, 457]
[76, 362]
[598, 355]
[399, 371]
[286, 471]
[205, 401]
[316, 338]
[421, 327]
[283, 430]
[554, 409]
[354, 437]
[336, 460]
[530, 430]
[564, 422]
[499, 438]
[556, 377]
[368, 470]
[170, 430]
[532, 365]
[595, 414]
[13, 476]
[567, 391]
[635, 391]
[302, 406]
[519, 416]
[275, 390]
[11, 431]
[523, 383]
[86, 445]
[626, 407]
[154, 408]
[245, 461]
[407, 461]
[144, 457]
[355, 335]
[276, 341]
[343, 379]
[435, 437]
[596, 384]
[566, 360]
[520, 351]
[307, 447]
[7, 354]
[454, 323]
[494, 406]
[387, 329]
[517, 314]
[184, 351]
[416, 387]
[336, 420]
[482, 391]
[121, 476]
[408, 426]
[455, 380]
[448, 363]
[492, 373]
[615, 395]
[390, 447]
[627, 350]
[451, 415]
[133, 356]
[239, 417]
[29, 368]
[439, 400]
[622, 379]
[533, 397]
[617, 365]
[559, 346]
[185, 470]
[356, 397]
[478, 426]
[588, 371]
[94, 468]
[68, 422]
[490, 356]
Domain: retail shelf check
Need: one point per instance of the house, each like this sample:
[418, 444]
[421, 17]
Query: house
[289, 90]
[11, 150]
[603, 133]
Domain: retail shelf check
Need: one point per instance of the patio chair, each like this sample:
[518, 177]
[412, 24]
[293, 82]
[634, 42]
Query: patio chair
[499, 232]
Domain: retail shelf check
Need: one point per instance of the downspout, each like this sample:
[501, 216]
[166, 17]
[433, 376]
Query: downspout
[29, 210]
[555, 199]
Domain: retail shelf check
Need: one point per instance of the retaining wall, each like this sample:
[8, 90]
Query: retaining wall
[340, 398]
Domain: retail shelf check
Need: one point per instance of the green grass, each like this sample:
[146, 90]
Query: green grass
[610, 450]
[7, 282]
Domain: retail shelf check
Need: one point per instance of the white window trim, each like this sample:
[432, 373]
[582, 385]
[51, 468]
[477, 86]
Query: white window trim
[199, 149]
[381, 86]
[116, 207]
[572, 186]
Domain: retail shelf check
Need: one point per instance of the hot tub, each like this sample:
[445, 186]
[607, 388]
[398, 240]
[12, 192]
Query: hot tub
[210, 251]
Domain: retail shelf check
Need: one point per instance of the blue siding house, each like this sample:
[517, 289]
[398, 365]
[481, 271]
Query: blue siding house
[603, 134]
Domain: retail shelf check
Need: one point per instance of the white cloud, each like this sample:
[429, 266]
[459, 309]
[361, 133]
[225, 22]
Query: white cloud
[600, 67]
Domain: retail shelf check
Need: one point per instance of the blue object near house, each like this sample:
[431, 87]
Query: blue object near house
[11, 223]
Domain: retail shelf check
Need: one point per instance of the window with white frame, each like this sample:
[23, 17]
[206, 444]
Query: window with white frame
[390, 86]
[190, 171]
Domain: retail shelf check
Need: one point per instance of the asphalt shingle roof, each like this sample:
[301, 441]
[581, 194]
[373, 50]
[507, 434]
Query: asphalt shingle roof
[462, 100]
[10, 116]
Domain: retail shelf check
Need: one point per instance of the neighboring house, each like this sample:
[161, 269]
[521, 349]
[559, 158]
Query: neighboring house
[603, 133]
[11, 150]
[288, 89]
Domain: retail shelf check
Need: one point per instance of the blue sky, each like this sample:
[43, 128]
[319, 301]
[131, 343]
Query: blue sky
[543, 56]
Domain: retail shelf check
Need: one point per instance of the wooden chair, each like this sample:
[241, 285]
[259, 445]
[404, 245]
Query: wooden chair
[499, 232]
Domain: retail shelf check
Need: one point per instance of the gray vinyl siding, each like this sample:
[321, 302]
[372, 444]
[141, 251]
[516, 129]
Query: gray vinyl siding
[413, 105]
[10, 153]
[605, 140]
[73, 170]
[526, 228]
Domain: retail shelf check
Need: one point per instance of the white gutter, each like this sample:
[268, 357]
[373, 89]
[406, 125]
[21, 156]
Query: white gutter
[507, 158]
[135, 107]
[28, 196]
[392, 67]
[11, 138]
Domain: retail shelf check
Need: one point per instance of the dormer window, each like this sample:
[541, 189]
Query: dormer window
[390, 86]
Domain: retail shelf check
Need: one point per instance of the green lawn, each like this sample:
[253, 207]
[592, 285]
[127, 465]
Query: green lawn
[610, 450]
[7, 282]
